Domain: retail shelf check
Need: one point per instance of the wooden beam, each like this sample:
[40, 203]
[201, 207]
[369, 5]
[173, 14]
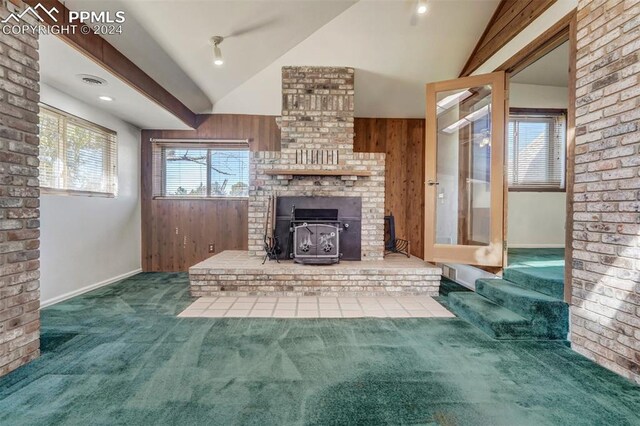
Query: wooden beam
[509, 19]
[104, 54]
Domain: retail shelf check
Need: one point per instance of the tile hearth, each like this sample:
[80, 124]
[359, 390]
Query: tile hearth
[316, 307]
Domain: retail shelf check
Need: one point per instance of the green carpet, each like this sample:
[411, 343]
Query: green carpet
[540, 269]
[119, 355]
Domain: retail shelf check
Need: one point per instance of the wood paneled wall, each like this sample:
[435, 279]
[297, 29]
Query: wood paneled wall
[176, 233]
[403, 141]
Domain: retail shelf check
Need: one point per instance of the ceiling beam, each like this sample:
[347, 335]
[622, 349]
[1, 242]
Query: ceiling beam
[509, 19]
[104, 54]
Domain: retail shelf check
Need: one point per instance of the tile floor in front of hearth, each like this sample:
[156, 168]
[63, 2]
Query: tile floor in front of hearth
[316, 307]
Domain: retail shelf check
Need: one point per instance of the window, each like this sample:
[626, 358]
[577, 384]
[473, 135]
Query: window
[76, 156]
[536, 150]
[201, 170]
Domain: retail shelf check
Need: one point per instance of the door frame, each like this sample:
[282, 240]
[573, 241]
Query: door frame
[563, 30]
[447, 253]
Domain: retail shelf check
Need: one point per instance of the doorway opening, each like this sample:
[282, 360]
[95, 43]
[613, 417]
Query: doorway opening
[536, 158]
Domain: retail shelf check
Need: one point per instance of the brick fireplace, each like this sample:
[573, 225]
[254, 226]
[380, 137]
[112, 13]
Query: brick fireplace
[316, 169]
[317, 158]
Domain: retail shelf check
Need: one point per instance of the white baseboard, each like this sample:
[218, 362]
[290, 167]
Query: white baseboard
[466, 275]
[536, 245]
[62, 297]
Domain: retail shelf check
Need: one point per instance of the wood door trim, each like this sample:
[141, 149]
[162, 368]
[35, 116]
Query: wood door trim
[563, 30]
[553, 37]
[570, 162]
[491, 255]
[509, 19]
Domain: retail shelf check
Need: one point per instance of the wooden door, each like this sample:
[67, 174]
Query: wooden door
[464, 173]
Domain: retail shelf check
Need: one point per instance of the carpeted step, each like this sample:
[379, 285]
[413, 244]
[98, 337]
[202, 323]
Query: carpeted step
[548, 280]
[549, 316]
[496, 321]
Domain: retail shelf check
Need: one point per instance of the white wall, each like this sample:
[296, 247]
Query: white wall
[536, 96]
[90, 241]
[537, 219]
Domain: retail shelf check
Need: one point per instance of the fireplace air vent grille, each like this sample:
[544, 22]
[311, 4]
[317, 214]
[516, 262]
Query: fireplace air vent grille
[317, 156]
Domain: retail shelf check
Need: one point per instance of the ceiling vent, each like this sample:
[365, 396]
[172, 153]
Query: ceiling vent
[92, 80]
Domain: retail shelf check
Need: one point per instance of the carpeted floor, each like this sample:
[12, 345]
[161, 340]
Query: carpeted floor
[548, 262]
[119, 355]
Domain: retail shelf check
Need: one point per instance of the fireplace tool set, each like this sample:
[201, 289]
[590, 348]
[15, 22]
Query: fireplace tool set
[271, 243]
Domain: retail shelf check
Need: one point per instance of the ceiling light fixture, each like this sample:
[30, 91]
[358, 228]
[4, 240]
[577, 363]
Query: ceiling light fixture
[217, 53]
[105, 98]
[422, 7]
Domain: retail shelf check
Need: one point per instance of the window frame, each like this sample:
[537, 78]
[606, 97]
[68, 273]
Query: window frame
[110, 162]
[546, 112]
[159, 160]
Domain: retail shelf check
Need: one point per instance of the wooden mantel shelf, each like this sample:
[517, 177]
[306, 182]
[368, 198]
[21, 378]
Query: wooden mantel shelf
[301, 172]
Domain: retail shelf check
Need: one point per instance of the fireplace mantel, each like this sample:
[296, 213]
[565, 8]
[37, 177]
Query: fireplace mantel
[317, 172]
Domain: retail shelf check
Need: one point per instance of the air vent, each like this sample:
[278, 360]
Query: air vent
[92, 80]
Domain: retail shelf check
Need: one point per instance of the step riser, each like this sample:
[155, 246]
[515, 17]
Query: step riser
[500, 331]
[549, 319]
[553, 288]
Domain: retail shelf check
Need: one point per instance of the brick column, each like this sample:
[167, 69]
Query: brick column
[19, 202]
[605, 316]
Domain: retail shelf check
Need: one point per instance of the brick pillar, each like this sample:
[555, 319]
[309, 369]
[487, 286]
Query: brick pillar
[19, 202]
[606, 230]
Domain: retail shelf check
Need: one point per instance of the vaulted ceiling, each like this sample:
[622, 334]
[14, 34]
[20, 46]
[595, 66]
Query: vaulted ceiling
[395, 52]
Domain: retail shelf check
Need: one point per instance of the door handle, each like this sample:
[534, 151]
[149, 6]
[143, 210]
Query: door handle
[431, 183]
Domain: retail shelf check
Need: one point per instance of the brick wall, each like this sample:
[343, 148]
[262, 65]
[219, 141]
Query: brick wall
[19, 224]
[317, 125]
[606, 231]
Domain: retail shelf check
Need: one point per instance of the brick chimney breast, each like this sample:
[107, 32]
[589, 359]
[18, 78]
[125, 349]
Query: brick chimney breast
[317, 109]
[316, 157]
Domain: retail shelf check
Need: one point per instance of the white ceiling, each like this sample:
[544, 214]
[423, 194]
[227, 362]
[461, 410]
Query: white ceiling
[394, 51]
[550, 70]
[170, 40]
[59, 66]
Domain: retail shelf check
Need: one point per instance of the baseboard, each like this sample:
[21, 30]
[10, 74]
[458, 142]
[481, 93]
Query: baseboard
[466, 275]
[536, 245]
[63, 297]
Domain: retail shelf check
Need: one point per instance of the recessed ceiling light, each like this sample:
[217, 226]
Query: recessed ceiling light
[92, 80]
[422, 7]
[105, 98]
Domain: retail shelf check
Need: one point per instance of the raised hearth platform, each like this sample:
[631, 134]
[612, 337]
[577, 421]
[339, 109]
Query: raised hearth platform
[235, 273]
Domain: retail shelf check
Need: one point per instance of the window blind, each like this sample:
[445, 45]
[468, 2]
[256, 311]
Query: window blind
[536, 151]
[76, 155]
[201, 170]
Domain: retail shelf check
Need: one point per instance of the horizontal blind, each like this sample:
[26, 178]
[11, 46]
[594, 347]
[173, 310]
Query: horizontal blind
[201, 170]
[185, 171]
[536, 151]
[76, 155]
[229, 172]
